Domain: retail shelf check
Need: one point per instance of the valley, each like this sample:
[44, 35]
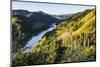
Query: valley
[50, 39]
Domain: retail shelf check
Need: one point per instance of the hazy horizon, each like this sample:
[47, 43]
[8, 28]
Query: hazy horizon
[50, 8]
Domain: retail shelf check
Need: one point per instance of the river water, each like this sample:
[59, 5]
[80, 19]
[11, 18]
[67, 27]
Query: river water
[34, 40]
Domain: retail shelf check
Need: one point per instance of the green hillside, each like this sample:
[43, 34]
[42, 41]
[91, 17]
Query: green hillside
[73, 40]
[24, 27]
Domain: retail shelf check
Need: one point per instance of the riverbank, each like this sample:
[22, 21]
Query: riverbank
[34, 40]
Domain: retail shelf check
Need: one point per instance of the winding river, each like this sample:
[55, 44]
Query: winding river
[34, 40]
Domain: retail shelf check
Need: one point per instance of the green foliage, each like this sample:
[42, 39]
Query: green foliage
[73, 40]
[23, 27]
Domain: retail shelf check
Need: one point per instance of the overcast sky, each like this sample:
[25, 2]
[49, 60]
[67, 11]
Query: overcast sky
[49, 8]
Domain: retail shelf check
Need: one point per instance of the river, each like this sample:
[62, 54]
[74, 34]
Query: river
[34, 40]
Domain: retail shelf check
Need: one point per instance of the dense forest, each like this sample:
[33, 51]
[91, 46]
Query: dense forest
[73, 40]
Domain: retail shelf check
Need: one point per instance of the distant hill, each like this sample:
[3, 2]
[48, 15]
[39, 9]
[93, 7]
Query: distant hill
[42, 17]
[62, 17]
[20, 12]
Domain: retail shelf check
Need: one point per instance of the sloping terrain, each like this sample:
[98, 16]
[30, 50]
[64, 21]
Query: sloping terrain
[25, 24]
[73, 40]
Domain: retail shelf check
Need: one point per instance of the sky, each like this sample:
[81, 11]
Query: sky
[49, 8]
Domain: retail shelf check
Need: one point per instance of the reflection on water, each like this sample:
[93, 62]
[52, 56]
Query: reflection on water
[35, 39]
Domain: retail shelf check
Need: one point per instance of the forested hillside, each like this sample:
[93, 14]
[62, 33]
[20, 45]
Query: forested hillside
[73, 40]
[25, 24]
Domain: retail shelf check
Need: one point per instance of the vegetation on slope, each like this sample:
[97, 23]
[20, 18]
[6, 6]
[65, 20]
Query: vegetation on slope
[73, 40]
[26, 24]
